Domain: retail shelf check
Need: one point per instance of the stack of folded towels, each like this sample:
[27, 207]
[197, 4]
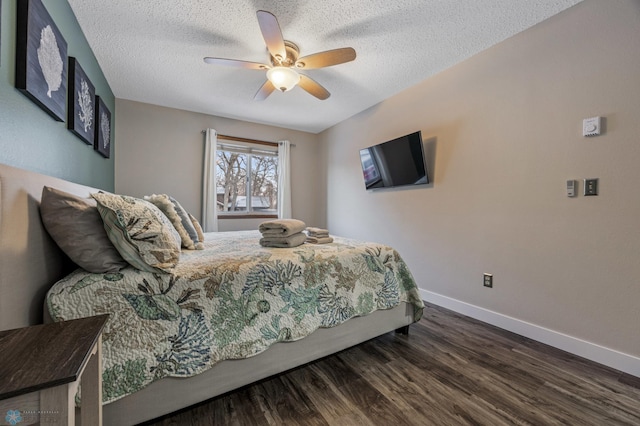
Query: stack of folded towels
[318, 236]
[283, 233]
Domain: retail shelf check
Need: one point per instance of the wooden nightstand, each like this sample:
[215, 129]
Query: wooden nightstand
[41, 367]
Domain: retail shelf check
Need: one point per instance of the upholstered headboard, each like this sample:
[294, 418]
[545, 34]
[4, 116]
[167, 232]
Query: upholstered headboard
[30, 261]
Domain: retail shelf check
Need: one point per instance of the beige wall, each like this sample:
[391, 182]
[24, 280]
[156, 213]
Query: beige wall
[507, 130]
[160, 150]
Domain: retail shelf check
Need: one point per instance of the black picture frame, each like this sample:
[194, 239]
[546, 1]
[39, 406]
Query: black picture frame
[102, 139]
[41, 58]
[81, 117]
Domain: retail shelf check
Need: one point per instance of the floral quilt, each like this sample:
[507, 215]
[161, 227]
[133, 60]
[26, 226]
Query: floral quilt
[232, 300]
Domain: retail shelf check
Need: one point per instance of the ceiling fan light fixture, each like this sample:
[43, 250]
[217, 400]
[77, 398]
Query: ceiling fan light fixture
[283, 78]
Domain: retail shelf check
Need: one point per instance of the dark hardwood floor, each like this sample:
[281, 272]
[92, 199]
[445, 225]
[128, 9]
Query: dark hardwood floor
[449, 370]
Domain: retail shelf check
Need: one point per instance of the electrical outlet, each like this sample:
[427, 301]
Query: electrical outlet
[488, 280]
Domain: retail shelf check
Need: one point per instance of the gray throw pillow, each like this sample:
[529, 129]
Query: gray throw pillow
[198, 228]
[76, 226]
[168, 207]
[188, 224]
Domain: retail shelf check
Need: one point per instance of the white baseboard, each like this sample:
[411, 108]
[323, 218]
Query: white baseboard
[609, 357]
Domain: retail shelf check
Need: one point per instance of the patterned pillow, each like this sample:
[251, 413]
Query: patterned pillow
[166, 206]
[76, 226]
[141, 233]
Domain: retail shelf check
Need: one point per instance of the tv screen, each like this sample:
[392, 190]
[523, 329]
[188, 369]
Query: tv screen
[398, 162]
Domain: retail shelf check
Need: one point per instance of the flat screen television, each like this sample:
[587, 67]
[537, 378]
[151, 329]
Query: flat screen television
[398, 162]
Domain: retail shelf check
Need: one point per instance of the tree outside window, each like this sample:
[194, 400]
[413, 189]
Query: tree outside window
[239, 173]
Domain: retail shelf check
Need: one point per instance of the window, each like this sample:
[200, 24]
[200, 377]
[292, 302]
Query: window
[247, 179]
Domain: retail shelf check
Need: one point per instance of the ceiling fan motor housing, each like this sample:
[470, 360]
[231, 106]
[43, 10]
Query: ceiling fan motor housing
[292, 56]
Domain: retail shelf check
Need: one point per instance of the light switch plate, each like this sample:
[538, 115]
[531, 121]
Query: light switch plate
[572, 187]
[591, 186]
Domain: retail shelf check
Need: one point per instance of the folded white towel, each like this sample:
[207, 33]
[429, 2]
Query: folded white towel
[283, 242]
[317, 232]
[319, 240]
[281, 227]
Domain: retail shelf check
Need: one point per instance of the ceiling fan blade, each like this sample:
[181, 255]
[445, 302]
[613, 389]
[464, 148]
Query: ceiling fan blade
[313, 87]
[272, 34]
[236, 63]
[266, 89]
[326, 58]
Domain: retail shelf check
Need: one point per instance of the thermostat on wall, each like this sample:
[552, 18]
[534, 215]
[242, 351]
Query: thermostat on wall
[591, 126]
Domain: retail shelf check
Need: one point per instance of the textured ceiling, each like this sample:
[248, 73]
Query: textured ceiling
[152, 51]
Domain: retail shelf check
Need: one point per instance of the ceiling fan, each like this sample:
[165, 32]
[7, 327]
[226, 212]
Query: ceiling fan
[282, 73]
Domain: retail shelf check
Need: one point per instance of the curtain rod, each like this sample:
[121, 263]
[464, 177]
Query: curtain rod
[237, 139]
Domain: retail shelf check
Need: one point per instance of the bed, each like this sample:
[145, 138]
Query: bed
[190, 343]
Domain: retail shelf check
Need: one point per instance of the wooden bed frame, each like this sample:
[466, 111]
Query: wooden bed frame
[30, 262]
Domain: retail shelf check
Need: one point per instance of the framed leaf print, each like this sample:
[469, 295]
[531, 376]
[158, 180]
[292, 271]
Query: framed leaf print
[41, 58]
[102, 141]
[81, 103]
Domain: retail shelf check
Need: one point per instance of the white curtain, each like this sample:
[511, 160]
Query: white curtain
[209, 207]
[284, 180]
